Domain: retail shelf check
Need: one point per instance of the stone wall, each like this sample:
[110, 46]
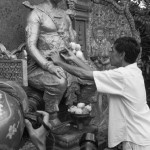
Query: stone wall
[12, 22]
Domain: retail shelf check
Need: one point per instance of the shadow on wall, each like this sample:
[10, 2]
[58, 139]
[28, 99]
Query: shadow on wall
[12, 22]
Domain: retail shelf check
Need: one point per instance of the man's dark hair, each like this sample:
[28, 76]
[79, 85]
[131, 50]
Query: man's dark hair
[128, 45]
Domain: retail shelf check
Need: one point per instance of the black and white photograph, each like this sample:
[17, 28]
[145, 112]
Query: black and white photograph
[75, 75]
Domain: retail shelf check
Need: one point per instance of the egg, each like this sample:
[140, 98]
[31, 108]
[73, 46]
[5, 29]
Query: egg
[78, 111]
[88, 107]
[72, 109]
[85, 111]
[80, 105]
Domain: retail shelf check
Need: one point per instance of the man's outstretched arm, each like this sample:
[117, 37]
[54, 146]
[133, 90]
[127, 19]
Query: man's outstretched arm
[77, 71]
[85, 73]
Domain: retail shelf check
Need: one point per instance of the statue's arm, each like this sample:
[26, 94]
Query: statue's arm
[32, 33]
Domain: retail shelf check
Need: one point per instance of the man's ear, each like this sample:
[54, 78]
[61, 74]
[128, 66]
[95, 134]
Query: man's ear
[122, 55]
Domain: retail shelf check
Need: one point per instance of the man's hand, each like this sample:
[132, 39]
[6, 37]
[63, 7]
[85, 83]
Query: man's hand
[38, 136]
[70, 56]
[56, 56]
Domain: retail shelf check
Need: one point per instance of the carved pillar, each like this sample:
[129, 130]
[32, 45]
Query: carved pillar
[79, 11]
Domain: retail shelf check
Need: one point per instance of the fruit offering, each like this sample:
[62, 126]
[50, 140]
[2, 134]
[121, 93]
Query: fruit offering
[81, 108]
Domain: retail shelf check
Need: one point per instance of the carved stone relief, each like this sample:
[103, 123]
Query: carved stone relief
[108, 21]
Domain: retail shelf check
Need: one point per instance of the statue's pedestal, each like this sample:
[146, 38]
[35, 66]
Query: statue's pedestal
[70, 140]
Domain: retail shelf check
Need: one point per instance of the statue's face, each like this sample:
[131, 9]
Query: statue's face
[100, 35]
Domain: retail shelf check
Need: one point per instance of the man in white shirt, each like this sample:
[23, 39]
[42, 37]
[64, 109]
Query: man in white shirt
[129, 114]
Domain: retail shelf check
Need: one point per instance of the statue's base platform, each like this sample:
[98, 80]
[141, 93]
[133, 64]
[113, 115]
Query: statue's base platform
[69, 140]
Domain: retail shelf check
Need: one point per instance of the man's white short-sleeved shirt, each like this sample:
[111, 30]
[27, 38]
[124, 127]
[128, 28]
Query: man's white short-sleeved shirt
[129, 114]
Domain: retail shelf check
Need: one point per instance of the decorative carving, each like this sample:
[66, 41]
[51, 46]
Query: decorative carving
[108, 21]
[79, 8]
[11, 68]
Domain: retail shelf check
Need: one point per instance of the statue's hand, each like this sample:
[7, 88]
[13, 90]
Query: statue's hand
[58, 71]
